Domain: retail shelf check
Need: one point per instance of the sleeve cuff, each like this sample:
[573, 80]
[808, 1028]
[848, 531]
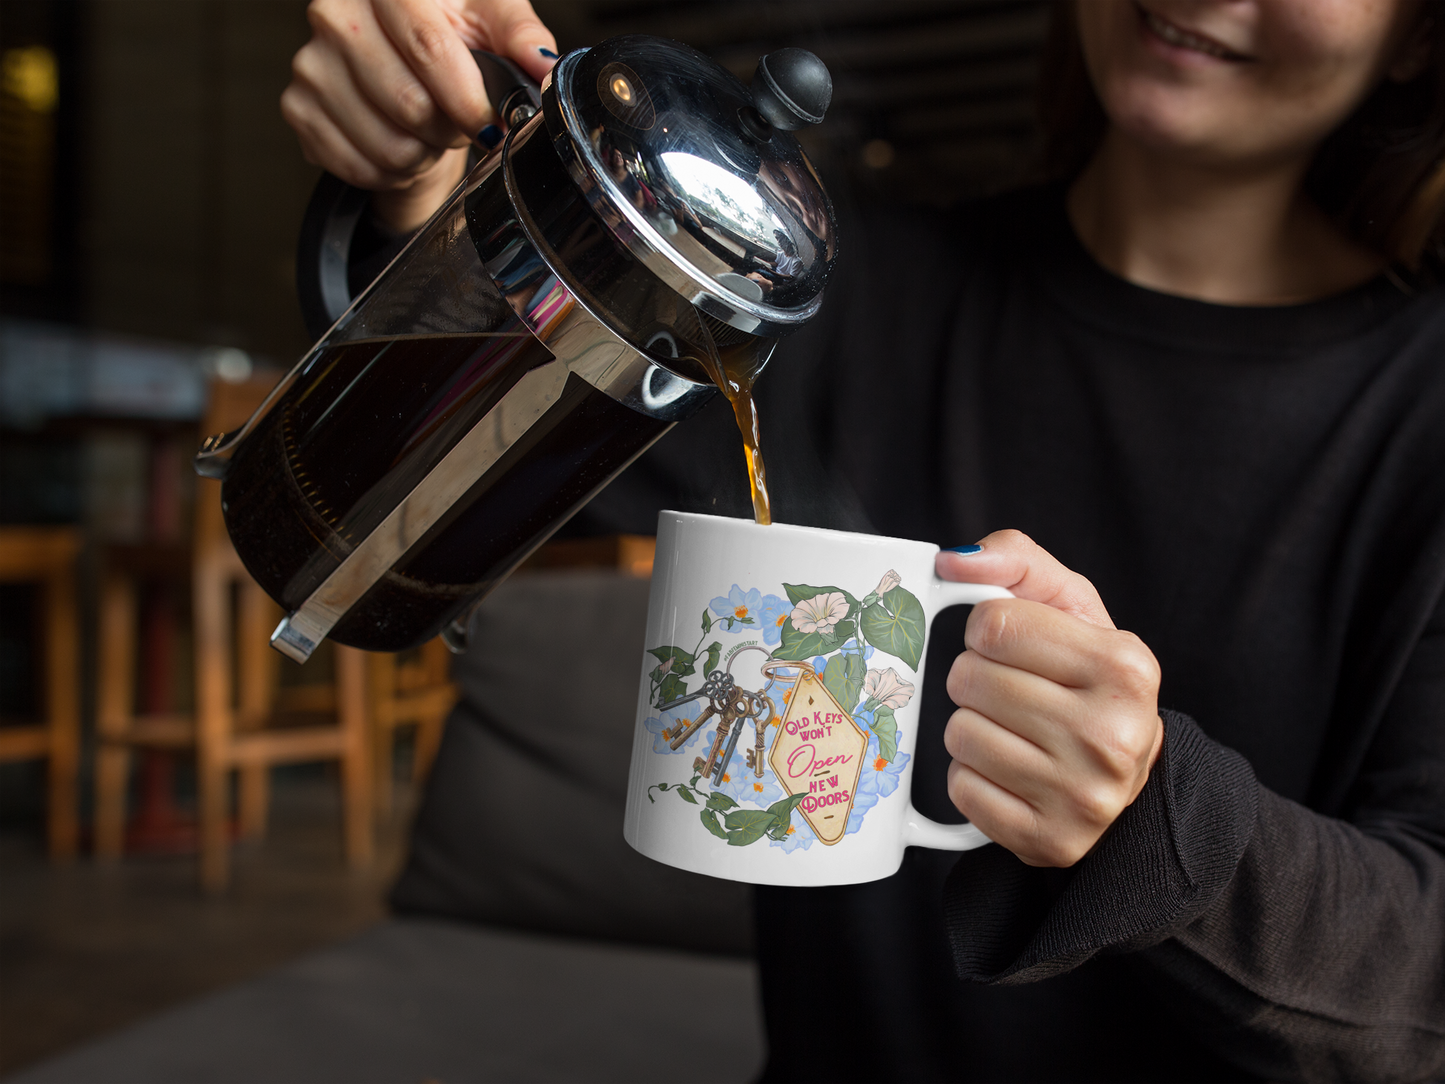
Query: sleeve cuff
[1165, 859]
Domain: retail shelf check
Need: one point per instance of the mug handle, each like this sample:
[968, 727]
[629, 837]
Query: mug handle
[918, 830]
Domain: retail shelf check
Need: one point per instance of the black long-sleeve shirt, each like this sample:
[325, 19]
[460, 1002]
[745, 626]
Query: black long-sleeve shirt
[1259, 493]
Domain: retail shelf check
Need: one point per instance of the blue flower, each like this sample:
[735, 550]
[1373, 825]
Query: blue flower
[740, 609]
[670, 721]
[801, 836]
[744, 786]
[878, 779]
[772, 613]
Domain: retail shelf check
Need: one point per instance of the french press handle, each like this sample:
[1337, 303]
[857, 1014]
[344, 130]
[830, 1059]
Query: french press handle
[323, 252]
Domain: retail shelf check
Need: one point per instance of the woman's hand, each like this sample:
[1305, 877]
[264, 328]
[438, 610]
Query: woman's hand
[1058, 722]
[386, 96]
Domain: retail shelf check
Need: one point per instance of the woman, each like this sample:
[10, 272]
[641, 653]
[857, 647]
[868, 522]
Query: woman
[1206, 373]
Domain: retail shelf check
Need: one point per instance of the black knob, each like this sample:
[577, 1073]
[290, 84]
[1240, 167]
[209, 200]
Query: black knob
[792, 89]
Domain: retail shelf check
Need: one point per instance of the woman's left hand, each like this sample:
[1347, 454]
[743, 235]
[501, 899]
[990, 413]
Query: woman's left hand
[1058, 722]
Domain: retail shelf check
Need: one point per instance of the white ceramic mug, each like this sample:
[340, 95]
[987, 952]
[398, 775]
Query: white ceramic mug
[779, 704]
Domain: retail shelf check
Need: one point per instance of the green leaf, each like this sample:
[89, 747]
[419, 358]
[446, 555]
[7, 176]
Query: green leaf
[804, 645]
[672, 688]
[686, 794]
[693, 781]
[843, 677]
[784, 808]
[714, 652]
[747, 826]
[662, 786]
[710, 822]
[782, 812]
[886, 727]
[720, 801]
[706, 622]
[682, 666]
[896, 626]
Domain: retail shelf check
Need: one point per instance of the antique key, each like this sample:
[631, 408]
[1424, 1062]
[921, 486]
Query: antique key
[707, 767]
[718, 688]
[742, 707]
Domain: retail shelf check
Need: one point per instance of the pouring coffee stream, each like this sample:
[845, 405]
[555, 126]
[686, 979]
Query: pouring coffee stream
[644, 234]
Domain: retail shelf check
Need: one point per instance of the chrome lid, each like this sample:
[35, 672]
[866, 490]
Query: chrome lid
[670, 150]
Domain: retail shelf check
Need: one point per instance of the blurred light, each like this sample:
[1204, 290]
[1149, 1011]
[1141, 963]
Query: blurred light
[878, 154]
[622, 89]
[31, 75]
[229, 364]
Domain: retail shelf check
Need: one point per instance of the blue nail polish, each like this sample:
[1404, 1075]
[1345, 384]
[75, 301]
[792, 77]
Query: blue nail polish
[489, 136]
[547, 53]
[964, 551]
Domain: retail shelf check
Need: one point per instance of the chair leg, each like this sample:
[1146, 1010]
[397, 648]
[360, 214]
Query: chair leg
[256, 679]
[356, 776]
[381, 670]
[63, 707]
[438, 662]
[112, 775]
[213, 720]
[428, 741]
[115, 702]
[212, 786]
[383, 751]
[254, 800]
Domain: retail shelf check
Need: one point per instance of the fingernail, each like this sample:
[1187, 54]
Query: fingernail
[547, 52]
[489, 136]
[964, 551]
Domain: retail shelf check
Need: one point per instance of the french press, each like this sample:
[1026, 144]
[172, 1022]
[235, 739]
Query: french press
[645, 217]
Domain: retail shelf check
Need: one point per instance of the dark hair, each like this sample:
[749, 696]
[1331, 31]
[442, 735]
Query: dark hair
[1380, 174]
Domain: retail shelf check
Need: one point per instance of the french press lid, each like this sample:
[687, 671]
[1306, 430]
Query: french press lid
[699, 176]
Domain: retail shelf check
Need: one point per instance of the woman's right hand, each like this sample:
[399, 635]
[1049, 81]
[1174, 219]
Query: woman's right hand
[386, 96]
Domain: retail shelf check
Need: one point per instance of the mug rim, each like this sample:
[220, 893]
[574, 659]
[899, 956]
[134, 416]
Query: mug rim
[744, 523]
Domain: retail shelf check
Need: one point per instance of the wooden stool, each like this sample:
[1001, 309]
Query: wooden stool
[236, 690]
[413, 688]
[46, 556]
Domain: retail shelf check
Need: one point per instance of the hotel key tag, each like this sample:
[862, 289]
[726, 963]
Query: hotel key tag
[819, 752]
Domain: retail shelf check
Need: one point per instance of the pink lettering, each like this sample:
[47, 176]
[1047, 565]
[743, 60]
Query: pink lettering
[798, 754]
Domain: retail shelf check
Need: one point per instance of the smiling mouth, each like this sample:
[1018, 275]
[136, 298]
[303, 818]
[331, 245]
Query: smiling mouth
[1184, 39]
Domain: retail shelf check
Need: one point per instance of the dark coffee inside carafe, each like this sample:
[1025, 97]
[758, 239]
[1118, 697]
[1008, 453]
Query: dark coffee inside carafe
[365, 422]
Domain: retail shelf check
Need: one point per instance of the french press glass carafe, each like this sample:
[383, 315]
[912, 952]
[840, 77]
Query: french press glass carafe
[646, 215]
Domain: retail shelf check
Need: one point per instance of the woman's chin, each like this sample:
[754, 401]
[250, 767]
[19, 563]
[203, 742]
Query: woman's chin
[1177, 122]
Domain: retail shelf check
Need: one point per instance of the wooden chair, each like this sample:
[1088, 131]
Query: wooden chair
[413, 688]
[236, 691]
[46, 556]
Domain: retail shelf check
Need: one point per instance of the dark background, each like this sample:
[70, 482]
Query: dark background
[162, 194]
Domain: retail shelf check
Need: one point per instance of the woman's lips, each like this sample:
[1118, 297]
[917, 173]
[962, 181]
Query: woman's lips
[1180, 38]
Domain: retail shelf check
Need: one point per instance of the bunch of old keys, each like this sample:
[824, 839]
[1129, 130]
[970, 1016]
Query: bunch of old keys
[733, 706]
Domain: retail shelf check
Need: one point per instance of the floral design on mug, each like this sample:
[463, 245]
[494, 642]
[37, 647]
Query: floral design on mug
[748, 611]
[820, 614]
[773, 612]
[832, 636]
[886, 687]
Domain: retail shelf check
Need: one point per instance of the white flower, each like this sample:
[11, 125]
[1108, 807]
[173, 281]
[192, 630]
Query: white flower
[888, 688]
[889, 581]
[820, 613]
